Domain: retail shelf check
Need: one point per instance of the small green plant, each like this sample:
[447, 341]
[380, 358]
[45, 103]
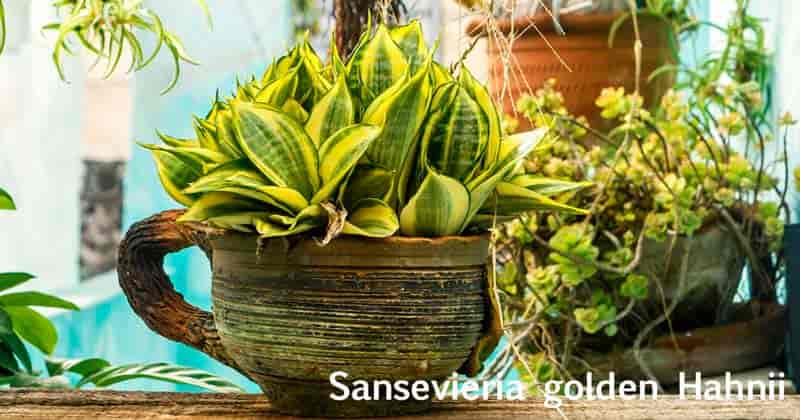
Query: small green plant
[109, 28]
[21, 323]
[388, 141]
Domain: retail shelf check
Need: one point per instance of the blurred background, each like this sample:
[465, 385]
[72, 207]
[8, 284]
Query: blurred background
[68, 155]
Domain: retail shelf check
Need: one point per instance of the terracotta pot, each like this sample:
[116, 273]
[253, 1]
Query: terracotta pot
[754, 342]
[585, 49]
[289, 313]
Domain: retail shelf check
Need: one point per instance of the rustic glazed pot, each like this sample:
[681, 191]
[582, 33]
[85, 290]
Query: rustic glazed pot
[593, 65]
[289, 312]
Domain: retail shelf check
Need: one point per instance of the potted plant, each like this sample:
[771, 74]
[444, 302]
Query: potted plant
[343, 207]
[585, 49]
[648, 283]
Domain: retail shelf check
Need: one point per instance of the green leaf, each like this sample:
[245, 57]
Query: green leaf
[513, 149]
[412, 42]
[6, 202]
[439, 208]
[176, 174]
[456, 135]
[339, 154]
[366, 181]
[36, 299]
[382, 64]
[7, 360]
[332, 113]
[226, 134]
[278, 146]
[163, 372]
[33, 327]
[512, 200]
[484, 100]
[401, 111]
[240, 178]
[12, 340]
[2, 27]
[293, 109]
[217, 204]
[276, 93]
[82, 367]
[9, 280]
[268, 229]
[372, 218]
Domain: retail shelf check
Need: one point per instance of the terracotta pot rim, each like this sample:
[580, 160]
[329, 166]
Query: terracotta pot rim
[391, 240]
[592, 22]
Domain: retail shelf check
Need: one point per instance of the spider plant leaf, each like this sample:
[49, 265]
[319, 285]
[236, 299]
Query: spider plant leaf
[439, 208]
[412, 42]
[278, 146]
[339, 155]
[479, 93]
[157, 28]
[163, 372]
[33, 327]
[68, 26]
[6, 202]
[371, 218]
[511, 199]
[382, 64]
[203, 5]
[12, 340]
[11, 280]
[118, 38]
[218, 204]
[332, 113]
[2, 27]
[401, 111]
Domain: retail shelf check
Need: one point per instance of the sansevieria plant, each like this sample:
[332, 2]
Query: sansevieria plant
[388, 142]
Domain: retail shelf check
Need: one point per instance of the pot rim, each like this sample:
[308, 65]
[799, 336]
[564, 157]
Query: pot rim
[586, 23]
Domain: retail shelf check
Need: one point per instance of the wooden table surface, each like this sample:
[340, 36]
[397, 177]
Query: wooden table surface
[85, 405]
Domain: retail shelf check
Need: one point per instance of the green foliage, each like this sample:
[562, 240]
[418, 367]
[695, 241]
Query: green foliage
[20, 323]
[705, 155]
[388, 142]
[106, 28]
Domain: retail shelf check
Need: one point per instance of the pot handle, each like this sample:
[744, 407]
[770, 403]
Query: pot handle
[150, 291]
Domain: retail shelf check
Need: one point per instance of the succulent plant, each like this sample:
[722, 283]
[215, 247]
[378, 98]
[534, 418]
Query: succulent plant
[390, 141]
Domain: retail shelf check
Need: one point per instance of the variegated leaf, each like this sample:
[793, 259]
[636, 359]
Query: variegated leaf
[401, 111]
[218, 204]
[332, 113]
[373, 219]
[278, 146]
[479, 93]
[366, 181]
[412, 42]
[339, 155]
[548, 186]
[439, 208]
[382, 64]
